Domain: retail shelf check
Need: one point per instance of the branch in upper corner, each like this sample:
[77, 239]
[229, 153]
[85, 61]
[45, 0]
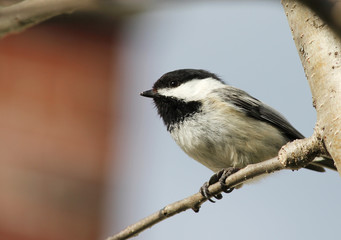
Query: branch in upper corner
[27, 13]
[294, 155]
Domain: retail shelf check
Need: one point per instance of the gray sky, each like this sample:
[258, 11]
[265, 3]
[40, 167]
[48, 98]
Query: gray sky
[250, 46]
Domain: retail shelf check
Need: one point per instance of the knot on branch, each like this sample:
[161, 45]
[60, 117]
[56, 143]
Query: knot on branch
[301, 152]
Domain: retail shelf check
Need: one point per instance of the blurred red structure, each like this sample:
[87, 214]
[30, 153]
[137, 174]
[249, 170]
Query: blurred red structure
[56, 110]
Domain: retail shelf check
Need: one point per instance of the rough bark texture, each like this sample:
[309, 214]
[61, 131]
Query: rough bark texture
[319, 49]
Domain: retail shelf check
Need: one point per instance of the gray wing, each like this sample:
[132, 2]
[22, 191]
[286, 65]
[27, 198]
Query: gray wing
[254, 108]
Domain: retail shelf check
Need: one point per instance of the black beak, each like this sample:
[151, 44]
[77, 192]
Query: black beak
[150, 93]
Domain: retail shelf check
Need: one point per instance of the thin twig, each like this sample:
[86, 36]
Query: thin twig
[294, 155]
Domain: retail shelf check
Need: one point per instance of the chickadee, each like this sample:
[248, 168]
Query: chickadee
[220, 126]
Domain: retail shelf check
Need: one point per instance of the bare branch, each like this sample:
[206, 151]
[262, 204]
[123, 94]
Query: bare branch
[319, 50]
[294, 155]
[27, 13]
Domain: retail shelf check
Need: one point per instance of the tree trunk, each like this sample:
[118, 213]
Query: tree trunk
[319, 49]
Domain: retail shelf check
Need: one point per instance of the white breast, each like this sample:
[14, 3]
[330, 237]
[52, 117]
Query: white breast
[222, 138]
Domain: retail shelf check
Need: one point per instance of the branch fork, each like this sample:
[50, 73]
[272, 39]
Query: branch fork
[301, 152]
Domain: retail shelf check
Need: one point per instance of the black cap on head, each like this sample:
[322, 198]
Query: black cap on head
[173, 110]
[177, 77]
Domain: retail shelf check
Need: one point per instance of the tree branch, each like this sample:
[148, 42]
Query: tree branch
[319, 50]
[294, 155]
[27, 13]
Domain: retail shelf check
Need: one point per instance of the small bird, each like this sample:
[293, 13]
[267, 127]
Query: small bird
[220, 126]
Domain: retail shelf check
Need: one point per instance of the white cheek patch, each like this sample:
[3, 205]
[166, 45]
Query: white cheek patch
[192, 90]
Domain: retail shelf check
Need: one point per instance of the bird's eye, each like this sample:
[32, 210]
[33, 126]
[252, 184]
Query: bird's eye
[173, 84]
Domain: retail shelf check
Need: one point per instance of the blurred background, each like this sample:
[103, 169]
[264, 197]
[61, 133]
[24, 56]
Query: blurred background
[83, 155]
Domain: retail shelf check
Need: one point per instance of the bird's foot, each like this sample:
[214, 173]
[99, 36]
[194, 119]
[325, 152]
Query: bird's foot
[218, 177]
